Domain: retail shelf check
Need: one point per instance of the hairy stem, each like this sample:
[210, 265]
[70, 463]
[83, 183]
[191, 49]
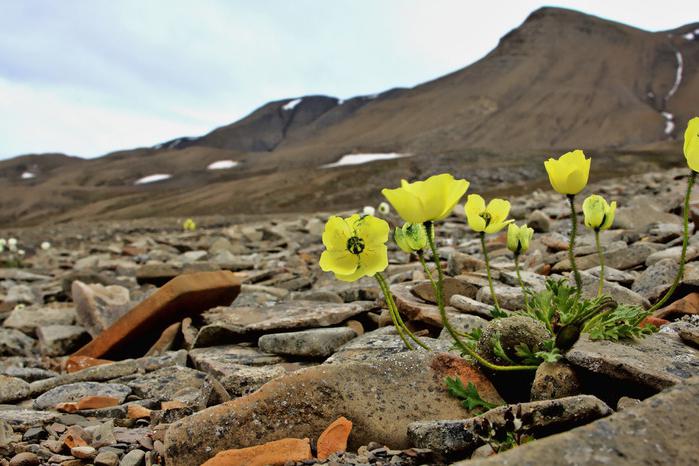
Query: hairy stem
[438, 287]
[571, 244]
[392, 306]
[601, 263]
[487, 271]
[685, 240]
[391, 310]
[521, 282]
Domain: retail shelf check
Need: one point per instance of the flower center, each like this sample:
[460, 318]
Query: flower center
[486, 216]
[355, 245]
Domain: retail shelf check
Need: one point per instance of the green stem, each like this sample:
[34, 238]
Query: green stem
[601, 263]
[428, 272]
[571, 244]
[392, 305]
[382, 285]
[487, 271]
[521, 282]
[685, 240]
[443, 313]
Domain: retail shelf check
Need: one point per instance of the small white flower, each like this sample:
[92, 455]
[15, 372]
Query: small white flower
[12, 242]
[384, 208]
[45, 245]
[369, 210]
[3, 242]
[21, 252]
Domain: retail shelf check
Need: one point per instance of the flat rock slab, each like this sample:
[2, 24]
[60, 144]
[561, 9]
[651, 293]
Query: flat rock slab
[226, 324]
[184, 296]
[15, 343]
[380, 398]
[99, 306]
[314, 343]
[26, 319]
[170, 383]
[12, 389]
[461, 437]
[75, 391]
[23, 419]
[657, 361]
[661, 430]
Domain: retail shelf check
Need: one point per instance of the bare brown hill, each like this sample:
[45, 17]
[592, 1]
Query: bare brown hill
[561, 80]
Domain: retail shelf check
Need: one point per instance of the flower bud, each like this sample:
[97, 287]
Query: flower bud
[369, 210]
[384, 208]
[518, 238]
[411, 237]
[598, 214]
[45, 246]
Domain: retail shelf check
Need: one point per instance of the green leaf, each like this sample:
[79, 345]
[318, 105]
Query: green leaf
[498, 313]
[499, 350]
[469, 394]
[619, 323]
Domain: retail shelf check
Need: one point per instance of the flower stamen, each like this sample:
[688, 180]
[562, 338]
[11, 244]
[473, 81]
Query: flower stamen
[355, 245]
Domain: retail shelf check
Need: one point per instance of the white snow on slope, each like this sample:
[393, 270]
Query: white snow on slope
[153, 178]
[356, 159]
[174, 143]
[222, 165]
[291, 104]
[678, 76]
[28, 175]
[692, 35]
[669, 122]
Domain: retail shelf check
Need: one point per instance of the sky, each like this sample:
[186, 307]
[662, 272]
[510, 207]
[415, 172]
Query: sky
[87, 77]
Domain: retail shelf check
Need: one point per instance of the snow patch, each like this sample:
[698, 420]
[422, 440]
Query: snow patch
[28, 175]
[222, 165]
[291, 104]
[174, 143]
[692, 35]
[153, 178]
[356, 159]
[678, 76]
[669, 122]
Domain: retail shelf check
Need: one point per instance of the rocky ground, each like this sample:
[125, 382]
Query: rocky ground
[190, 373]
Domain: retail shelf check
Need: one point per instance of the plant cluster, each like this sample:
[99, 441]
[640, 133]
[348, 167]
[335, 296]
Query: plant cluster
[356, 247]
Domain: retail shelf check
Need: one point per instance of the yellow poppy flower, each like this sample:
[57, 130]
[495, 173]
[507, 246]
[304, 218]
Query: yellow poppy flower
[568, 175]
[189, 225]
[518, 238]
[490, 219]
[598, 214]
[355, 246]
[429, 200]
[691, 144]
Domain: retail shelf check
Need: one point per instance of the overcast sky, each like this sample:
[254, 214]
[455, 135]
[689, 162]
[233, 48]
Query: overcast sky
[86, 77]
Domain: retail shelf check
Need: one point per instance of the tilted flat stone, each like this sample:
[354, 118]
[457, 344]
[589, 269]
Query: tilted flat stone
[661, 430]
[26, 319]
[75, 391]
[227, 324]
[99, 306]
[15, 343]
[58, 340]
[461, 437]
[317, 342]
[170, 383]
[184, 296]
[12, 389]
[381, 398]
[22, 419]
[619, 258]
[657, 361]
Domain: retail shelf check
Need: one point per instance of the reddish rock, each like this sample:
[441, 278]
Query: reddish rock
[271, 453]
[687, 305]
[650, 320]
[184, 296]
[166, 341]
[137, 412]
[334, 438]
[96, 402]
[78, 363]
[75, 437]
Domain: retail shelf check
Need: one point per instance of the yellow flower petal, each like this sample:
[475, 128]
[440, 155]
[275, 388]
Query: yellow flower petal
[373, 259]
[429, 200]
[691, 144]
[609, 217]
[498, 209]
[342, 262]
[495, 227]
[352, 277]
[569, 174]
[336, 234]
[406, 203]
[372, 230]
[474, 207]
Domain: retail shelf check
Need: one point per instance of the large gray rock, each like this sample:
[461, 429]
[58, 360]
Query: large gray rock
[15, 343]
[99, 306]
[555, 380]
[380, 397]
[653, 282]
[12, 389]
[462, 323]
[657, 361]
[509, 297]
[512, 331]
[314, 343]
[75, 391]
[26, 319]
[461, 437]
[59, 340]
[22, 419]
[190, 386]
[621, 258]
[661, 430]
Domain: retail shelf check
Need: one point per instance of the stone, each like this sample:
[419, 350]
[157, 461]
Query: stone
[688, 305]
[99, 306]
[228, 324]
[376, 396]
[539, 221]
[459, 263]
[660, 430]
[21, 294]
[184, 296]
[83, 453]
[462, 323]
[452, 286]
[75, 391]
[539, 418]
[412, 307]
[277, 452]
[621, 277]
[133, 458]
[22, 419]
[6, 434]
[656, 362]
[653, 282]
[12, 389]
[555, 380]
[620, 294]
[167, 340]
[314, 343]
[25, 459]
[15, 343]
[471, 306]
[171, 383]
[622, 258]
[57, 340]
[106, 458]
[26, 319]
[334, 438]
[138, 412]
[509, 297]
[673, 254]
[640, 217]
[512, 331]
[30, 374]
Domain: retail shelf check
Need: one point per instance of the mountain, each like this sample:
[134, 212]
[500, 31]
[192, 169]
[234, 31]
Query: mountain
[561, 80]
